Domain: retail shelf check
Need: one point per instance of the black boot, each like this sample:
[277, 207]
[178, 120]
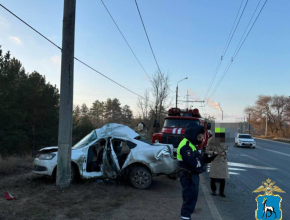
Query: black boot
[222, 195]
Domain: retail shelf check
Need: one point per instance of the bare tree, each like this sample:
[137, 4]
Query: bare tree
[160, 92]
[143, 105]
[153, 111]
[275, 109]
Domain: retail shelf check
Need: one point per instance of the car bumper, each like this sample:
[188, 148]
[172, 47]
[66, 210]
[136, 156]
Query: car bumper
[246, 145]
[43, 167]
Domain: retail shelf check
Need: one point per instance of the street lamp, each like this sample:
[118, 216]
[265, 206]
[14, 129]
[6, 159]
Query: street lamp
[177, 89]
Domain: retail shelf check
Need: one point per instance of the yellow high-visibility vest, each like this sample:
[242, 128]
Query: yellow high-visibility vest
[181, 144]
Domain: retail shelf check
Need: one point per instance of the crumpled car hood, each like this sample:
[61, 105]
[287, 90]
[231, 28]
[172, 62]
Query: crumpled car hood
[49, 148]
[116, 130]
[110, 129]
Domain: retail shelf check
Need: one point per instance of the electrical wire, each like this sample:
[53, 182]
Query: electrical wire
[150, 44]
[239, 47]
[147, 37]
[125, 39]
[248, 25]
[236, 27]
[227, 44]
[74, 57]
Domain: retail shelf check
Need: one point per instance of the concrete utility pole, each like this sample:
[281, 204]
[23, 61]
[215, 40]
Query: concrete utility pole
[266, 129]
[249, 124]
[176, 96]
[177, 91]
[187, 96]
[66, 96]
[244, 127]
[222, 115]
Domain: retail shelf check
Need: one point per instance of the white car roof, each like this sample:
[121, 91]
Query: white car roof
[116, 130]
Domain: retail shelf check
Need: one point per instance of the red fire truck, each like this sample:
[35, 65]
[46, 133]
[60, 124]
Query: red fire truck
[173, 130]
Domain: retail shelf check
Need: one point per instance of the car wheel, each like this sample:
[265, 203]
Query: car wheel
[73, 174]
[140, 177]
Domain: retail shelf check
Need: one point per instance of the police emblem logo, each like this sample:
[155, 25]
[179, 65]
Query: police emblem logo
[268, 204]
[188, 153]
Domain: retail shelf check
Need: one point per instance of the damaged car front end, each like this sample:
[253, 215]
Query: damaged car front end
[111, 152]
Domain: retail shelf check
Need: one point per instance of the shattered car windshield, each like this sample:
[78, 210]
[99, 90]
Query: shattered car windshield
[87, 139]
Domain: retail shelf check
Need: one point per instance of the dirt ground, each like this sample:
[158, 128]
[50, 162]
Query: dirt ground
[38, 198]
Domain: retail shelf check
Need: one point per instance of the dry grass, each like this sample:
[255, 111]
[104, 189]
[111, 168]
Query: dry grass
[39, 199]
[15, 165]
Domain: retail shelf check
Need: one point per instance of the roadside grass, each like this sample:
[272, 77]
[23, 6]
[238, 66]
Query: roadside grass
[272, 138]
[268, 137]
[15, 165]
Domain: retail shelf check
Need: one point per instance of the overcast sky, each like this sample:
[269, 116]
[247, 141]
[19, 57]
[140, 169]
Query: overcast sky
[187, 36]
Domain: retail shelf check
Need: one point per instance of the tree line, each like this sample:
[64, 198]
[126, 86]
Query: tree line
[270, 116]
[86, 119]
[29, 111]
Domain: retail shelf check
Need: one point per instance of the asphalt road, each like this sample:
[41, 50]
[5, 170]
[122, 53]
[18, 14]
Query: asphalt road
[248, 169]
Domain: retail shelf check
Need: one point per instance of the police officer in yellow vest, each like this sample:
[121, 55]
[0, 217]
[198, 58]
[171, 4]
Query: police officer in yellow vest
[191, 165]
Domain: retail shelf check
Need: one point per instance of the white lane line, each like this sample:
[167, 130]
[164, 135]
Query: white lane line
[267, 164]
[212, 207]
[277, 152]
[250, 166]
[278, 142]
[233, 173]
[232, 168]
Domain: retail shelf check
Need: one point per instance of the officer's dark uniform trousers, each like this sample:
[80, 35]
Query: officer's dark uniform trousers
[189, 180]
[190, 187]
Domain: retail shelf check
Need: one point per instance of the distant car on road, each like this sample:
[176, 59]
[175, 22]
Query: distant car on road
[110, 152]
[245, 140]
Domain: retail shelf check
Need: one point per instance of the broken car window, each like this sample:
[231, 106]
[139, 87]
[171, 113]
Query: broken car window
[86, 140]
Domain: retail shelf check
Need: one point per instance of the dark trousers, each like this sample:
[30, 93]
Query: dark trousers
[190, 186]
[222, 185]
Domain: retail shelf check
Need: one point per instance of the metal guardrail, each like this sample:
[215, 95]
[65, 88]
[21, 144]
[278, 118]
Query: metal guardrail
[283, 139]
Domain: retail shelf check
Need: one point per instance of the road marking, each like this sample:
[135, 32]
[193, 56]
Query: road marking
[277, 152]
[212, 207]
[250, 166]
[233, 173]
[274, 141]
[232, 168]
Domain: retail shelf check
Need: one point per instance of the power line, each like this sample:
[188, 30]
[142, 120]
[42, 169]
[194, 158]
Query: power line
[150, 45]
[29, 26]
[227, 44]
[147, 36]
[236, 27]
[125, 39]
[250, 29]
[248, 24]
[239, 47]
[74, 57]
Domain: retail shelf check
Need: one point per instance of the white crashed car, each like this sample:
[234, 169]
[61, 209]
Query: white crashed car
[110, 152]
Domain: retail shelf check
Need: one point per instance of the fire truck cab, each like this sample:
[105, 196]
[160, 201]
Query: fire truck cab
[173, 130]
